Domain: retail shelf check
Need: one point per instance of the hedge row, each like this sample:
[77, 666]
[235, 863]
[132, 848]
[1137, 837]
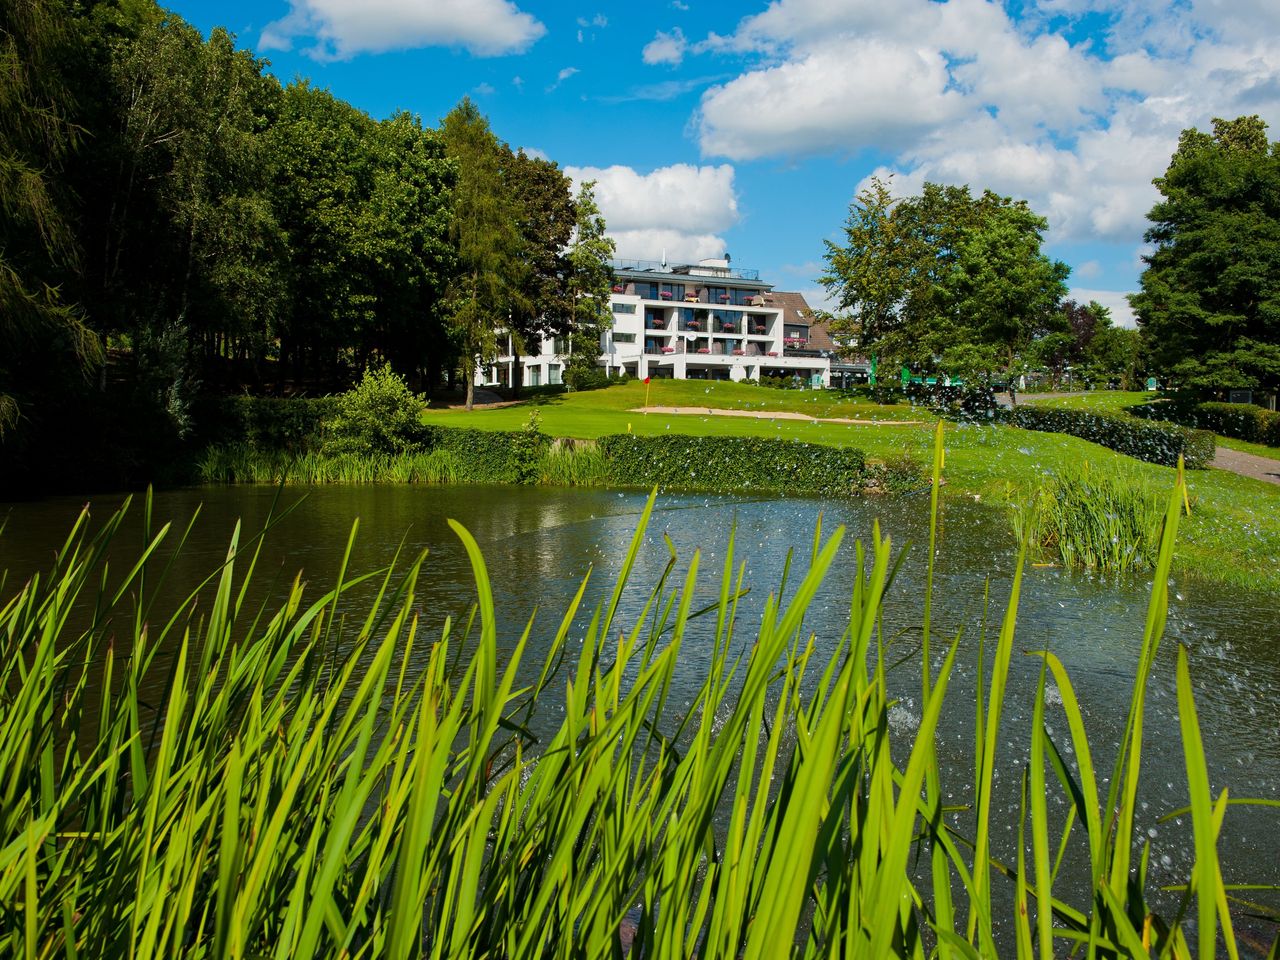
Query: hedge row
[1244, 421]
[489, 456]
[1154, 441]
[732, 463]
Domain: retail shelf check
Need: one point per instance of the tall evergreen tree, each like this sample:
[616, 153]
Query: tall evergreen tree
[487, 287]
[1209, 307]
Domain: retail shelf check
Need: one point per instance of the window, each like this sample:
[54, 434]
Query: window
[559, 346]
[535, 376]
[624, 308]
[672, 291]
[624, 338]
[553, 373]
[648, 291]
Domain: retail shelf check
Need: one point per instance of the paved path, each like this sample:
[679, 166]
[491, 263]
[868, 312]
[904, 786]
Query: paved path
[1248, 465]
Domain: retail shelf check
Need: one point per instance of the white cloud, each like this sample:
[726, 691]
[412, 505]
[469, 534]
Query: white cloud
[678, 5]
[1113, 300]
[680, 209]
[599, 20]
[665, 48]
[957, 91]
[562, 76]
[343, 28]
[484, 89]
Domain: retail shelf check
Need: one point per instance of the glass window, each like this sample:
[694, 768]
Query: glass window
[553, 373]
[624, 308]
[535, 376]
[672, 291]
[624, 338]
[647, 290]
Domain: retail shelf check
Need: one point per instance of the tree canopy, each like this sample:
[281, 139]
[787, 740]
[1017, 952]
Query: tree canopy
[920, 276]
[1209, 306]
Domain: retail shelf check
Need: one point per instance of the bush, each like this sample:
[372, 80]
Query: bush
[1154, 441]
[381, 415]
[491, 456]
[264, 423]
[1244, 421]
[731, 463]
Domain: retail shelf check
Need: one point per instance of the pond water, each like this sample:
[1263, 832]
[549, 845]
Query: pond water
[539, 543]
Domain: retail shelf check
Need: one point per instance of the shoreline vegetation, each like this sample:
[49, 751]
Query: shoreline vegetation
[322, 784]
[1231, 536]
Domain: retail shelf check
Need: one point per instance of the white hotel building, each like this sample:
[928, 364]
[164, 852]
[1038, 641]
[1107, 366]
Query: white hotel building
[704, 321]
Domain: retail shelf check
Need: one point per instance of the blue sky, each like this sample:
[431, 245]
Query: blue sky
[747, 128]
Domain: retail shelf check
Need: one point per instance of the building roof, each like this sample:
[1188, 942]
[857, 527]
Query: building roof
[795, 309]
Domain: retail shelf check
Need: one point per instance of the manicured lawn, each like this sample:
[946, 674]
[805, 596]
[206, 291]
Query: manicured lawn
[1096, 401]
[1233, 533]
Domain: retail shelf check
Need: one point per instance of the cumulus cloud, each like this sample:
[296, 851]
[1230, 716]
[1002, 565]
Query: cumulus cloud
[958, 92]
[680, 210]
[340, 29]
[562, 76]
[665, 48]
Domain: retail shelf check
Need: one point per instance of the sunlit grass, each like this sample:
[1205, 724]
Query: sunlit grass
[319, 778]
[1232, 536]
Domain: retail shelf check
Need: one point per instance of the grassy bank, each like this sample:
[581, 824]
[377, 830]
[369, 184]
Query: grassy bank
[1232, 535]
[310, 782]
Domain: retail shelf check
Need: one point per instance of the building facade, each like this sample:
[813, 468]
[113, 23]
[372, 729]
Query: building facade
[703, 321]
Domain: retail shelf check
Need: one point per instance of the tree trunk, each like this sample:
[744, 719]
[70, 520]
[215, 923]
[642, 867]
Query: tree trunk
[470, 374]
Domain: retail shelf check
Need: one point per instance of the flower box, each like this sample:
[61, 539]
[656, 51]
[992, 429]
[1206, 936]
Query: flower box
[773, 353]
[739, 353]
[618, 288]
[724, 298]
[704, 349]
[690, 298]
[668, 349]
[693, 325]
[657, 324]
[728, 328]
[665, 295]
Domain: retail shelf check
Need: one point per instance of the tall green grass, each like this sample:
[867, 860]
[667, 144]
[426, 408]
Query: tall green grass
[1095, 519]
[223, 780]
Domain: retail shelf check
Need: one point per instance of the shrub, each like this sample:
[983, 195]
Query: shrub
[1151, 440]
[490, 456]
[899, 473]
[379, 416]
[732, 463]
[264, 423]
[1244, 421]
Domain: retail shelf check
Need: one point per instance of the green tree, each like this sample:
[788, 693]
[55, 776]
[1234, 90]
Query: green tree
[487, 287]
[590, 280]
[39, 328]
[921, 275]
[546, 226]
[1209, 307]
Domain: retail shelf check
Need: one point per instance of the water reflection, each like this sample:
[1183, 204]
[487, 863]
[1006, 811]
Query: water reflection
[540, 543]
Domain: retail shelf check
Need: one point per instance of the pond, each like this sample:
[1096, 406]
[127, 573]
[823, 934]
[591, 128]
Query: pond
[540, 542]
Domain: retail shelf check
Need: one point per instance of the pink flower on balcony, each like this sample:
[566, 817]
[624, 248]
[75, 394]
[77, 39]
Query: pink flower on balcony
[665, 294]
[668, 349]
[773, 353]
[704, 349]
[739, 353]
[724, 298]
[729, 328]
[658, 324]
[618, 288]
[693, 325]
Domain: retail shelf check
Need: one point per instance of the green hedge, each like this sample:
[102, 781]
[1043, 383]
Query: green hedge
[490, 456]
[1154, 441]
[1244, 421]
[732, 463]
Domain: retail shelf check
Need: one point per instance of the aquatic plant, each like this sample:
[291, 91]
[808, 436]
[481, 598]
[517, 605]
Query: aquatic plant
[218, 779]
[1094, 519]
